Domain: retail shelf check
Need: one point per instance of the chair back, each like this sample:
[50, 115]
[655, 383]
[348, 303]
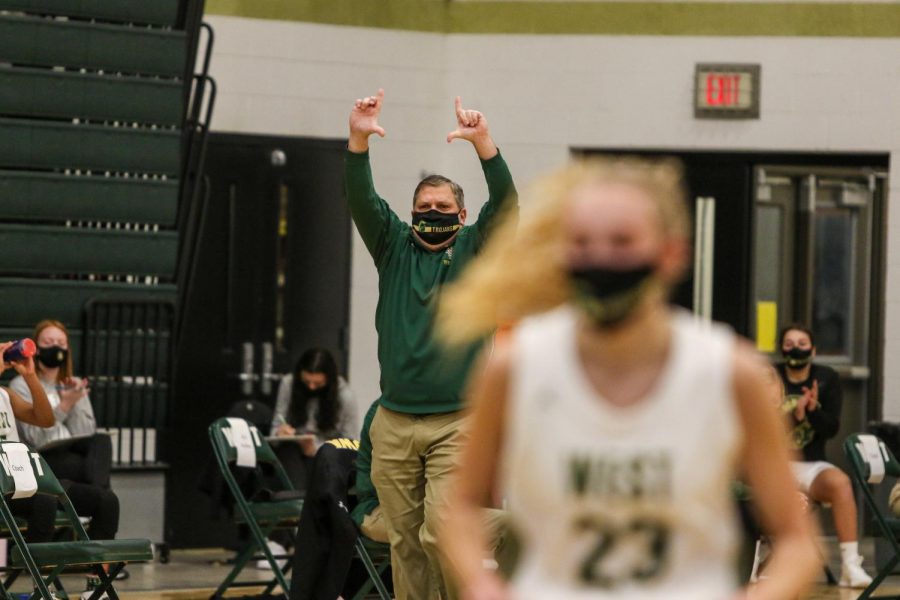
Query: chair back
[225, 447]
[47, 483]
[225, 444]
[870, 458]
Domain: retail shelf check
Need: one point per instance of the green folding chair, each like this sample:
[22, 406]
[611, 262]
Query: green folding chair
[45, 561]
[62, 531]
[376, 558]
[279, 510]
[870, 461]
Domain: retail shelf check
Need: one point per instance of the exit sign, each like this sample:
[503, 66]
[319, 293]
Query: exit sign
[726, 91]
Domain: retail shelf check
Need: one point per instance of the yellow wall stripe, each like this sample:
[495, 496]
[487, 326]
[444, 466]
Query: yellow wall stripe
[607, 18]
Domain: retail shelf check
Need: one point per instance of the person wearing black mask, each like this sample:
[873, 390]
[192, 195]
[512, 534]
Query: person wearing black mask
[88, 457]
[812, 403]
[81, 458]
[316, 403]
[613, 423]
[419, 425]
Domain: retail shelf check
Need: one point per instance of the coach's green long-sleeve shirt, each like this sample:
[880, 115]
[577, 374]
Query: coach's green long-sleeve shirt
[418, 376]
[367, 497]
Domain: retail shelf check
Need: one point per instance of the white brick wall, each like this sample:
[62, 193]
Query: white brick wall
[543, 95]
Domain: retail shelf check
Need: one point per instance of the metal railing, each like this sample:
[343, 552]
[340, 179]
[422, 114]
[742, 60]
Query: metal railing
[128, 362]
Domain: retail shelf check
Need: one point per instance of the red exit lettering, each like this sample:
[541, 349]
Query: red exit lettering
[722, 90]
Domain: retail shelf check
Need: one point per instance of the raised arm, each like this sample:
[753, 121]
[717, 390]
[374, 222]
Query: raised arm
[37, 412]
[374, 219]
[472, 126]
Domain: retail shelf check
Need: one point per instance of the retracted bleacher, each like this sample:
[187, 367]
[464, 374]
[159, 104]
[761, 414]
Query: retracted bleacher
[100, 121]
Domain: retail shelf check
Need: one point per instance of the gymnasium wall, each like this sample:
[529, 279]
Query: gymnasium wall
[544, 93]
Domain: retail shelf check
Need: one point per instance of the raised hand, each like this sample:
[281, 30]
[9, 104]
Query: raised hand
[472, 126]
[364, 121]
[23, 367]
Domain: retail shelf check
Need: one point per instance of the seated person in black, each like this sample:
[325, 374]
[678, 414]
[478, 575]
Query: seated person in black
[812, 404]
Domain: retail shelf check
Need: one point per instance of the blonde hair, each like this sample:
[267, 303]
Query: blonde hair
[65, 369]
[773, 381]
[521, 271]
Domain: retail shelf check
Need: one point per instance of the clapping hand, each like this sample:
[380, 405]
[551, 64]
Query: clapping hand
[812, 396]
[808, 402]
[71, 391]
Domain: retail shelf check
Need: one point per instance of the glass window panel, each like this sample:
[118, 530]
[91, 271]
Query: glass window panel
[833, 286]
[768, 260]
[769, 252]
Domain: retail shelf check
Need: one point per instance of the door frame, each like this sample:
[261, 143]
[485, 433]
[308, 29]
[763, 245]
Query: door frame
[197, 400]
[819, 160]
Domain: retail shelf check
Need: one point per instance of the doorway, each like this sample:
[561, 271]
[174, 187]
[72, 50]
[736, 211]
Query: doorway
[272, 278]
[817, 261]
[784, 237]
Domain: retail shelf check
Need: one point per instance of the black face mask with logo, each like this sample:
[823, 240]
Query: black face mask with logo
[610, 296]
[435, 227]
[797, 358]
[52, 356]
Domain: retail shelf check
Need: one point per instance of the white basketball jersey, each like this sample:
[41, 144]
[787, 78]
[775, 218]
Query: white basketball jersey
[8, 432]
[622, 502]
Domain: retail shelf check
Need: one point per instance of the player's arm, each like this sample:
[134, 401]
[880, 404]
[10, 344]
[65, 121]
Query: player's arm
[463, 537]
[38, 412]
[765, 456]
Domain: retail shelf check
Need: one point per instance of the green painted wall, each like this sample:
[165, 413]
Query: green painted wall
[607, 18]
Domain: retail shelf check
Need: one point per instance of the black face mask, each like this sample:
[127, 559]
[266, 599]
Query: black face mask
[435, 227]
[610, 296]
[52, 357]
[314, 393]
[797, 358]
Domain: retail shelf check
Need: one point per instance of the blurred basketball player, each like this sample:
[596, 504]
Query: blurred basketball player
[613, 423]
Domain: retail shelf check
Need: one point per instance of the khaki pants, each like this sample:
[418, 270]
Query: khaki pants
[413, 457]
[504, 548]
